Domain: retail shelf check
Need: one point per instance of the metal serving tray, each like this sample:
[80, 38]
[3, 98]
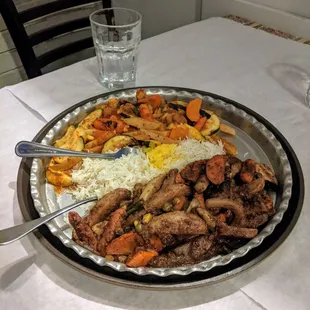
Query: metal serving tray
[253, 140]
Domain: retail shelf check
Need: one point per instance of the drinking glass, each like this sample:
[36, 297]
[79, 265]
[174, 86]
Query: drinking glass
[117, 35]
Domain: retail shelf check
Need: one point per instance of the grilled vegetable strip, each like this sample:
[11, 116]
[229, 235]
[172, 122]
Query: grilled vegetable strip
[141, 258]
[199, 125]
[124, 244]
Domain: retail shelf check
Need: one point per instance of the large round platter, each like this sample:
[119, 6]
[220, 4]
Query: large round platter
[255, 138]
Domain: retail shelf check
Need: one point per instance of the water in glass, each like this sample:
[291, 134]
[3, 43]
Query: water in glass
[117, 46]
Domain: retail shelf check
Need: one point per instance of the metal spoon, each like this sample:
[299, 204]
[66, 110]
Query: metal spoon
[33, 149]
[14, 233]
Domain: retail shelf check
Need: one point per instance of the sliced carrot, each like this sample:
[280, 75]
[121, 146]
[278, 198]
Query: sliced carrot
[201, 200]
[178, 133]
[179, 179]
[124, 244]
[199, 125]
[141, 258]
[156, 243]
[179, 206]
[154, 101]
[193, 110]
[145, 112]
[100, 140]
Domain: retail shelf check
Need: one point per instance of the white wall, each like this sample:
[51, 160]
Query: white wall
[285, 15]
[298, 7]
[162, 15]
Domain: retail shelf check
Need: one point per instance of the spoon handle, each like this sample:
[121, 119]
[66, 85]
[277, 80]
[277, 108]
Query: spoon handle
[34, 149]
[14, 233]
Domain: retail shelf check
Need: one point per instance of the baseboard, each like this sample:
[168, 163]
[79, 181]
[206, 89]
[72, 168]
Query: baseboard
[294, 24]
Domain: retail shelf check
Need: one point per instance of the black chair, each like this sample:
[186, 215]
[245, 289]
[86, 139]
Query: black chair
[24, 43]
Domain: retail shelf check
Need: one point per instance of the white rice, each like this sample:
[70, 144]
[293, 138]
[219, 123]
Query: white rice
[97, 177]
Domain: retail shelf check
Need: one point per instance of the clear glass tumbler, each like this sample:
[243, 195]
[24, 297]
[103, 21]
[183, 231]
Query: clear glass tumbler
[117, 35]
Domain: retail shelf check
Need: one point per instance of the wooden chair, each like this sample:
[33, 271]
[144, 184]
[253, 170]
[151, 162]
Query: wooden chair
[24, 43]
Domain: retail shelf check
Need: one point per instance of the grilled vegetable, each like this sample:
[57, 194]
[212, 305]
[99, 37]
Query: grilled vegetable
[141, 258]
[229, 147]
[145, 112]
[199, 125]
[227, 129]
[58, 178]
[76, 144]
[179, 132]
[158, 137]
[154, 101]
[124, 244]
[193, 109]
[144, 124]
[118, 142]
[211, 126]
[66, 137]
[65, 165]
[194, 133]
[87, 122]
[100, 140]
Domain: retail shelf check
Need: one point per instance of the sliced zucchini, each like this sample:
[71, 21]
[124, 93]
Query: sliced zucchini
[87, 122]
[80, 132]
[66, 137]
[118, 142]
[178, 105]
[206, 113]
[194, 133]
[211, 126]
[58, 179]
[76, 144]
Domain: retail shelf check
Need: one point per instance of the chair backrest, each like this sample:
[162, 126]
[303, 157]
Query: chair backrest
[24, 43]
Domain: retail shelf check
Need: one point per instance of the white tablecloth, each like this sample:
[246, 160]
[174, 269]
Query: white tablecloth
[264, 72]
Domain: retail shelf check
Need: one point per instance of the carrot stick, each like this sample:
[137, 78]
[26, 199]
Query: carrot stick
[124, 244]
[199, 125]
[141, 258]
[193, 110]
[179, 206]
[156, 244]
[201, 200]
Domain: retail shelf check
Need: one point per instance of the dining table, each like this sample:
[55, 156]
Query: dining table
[264, 72]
